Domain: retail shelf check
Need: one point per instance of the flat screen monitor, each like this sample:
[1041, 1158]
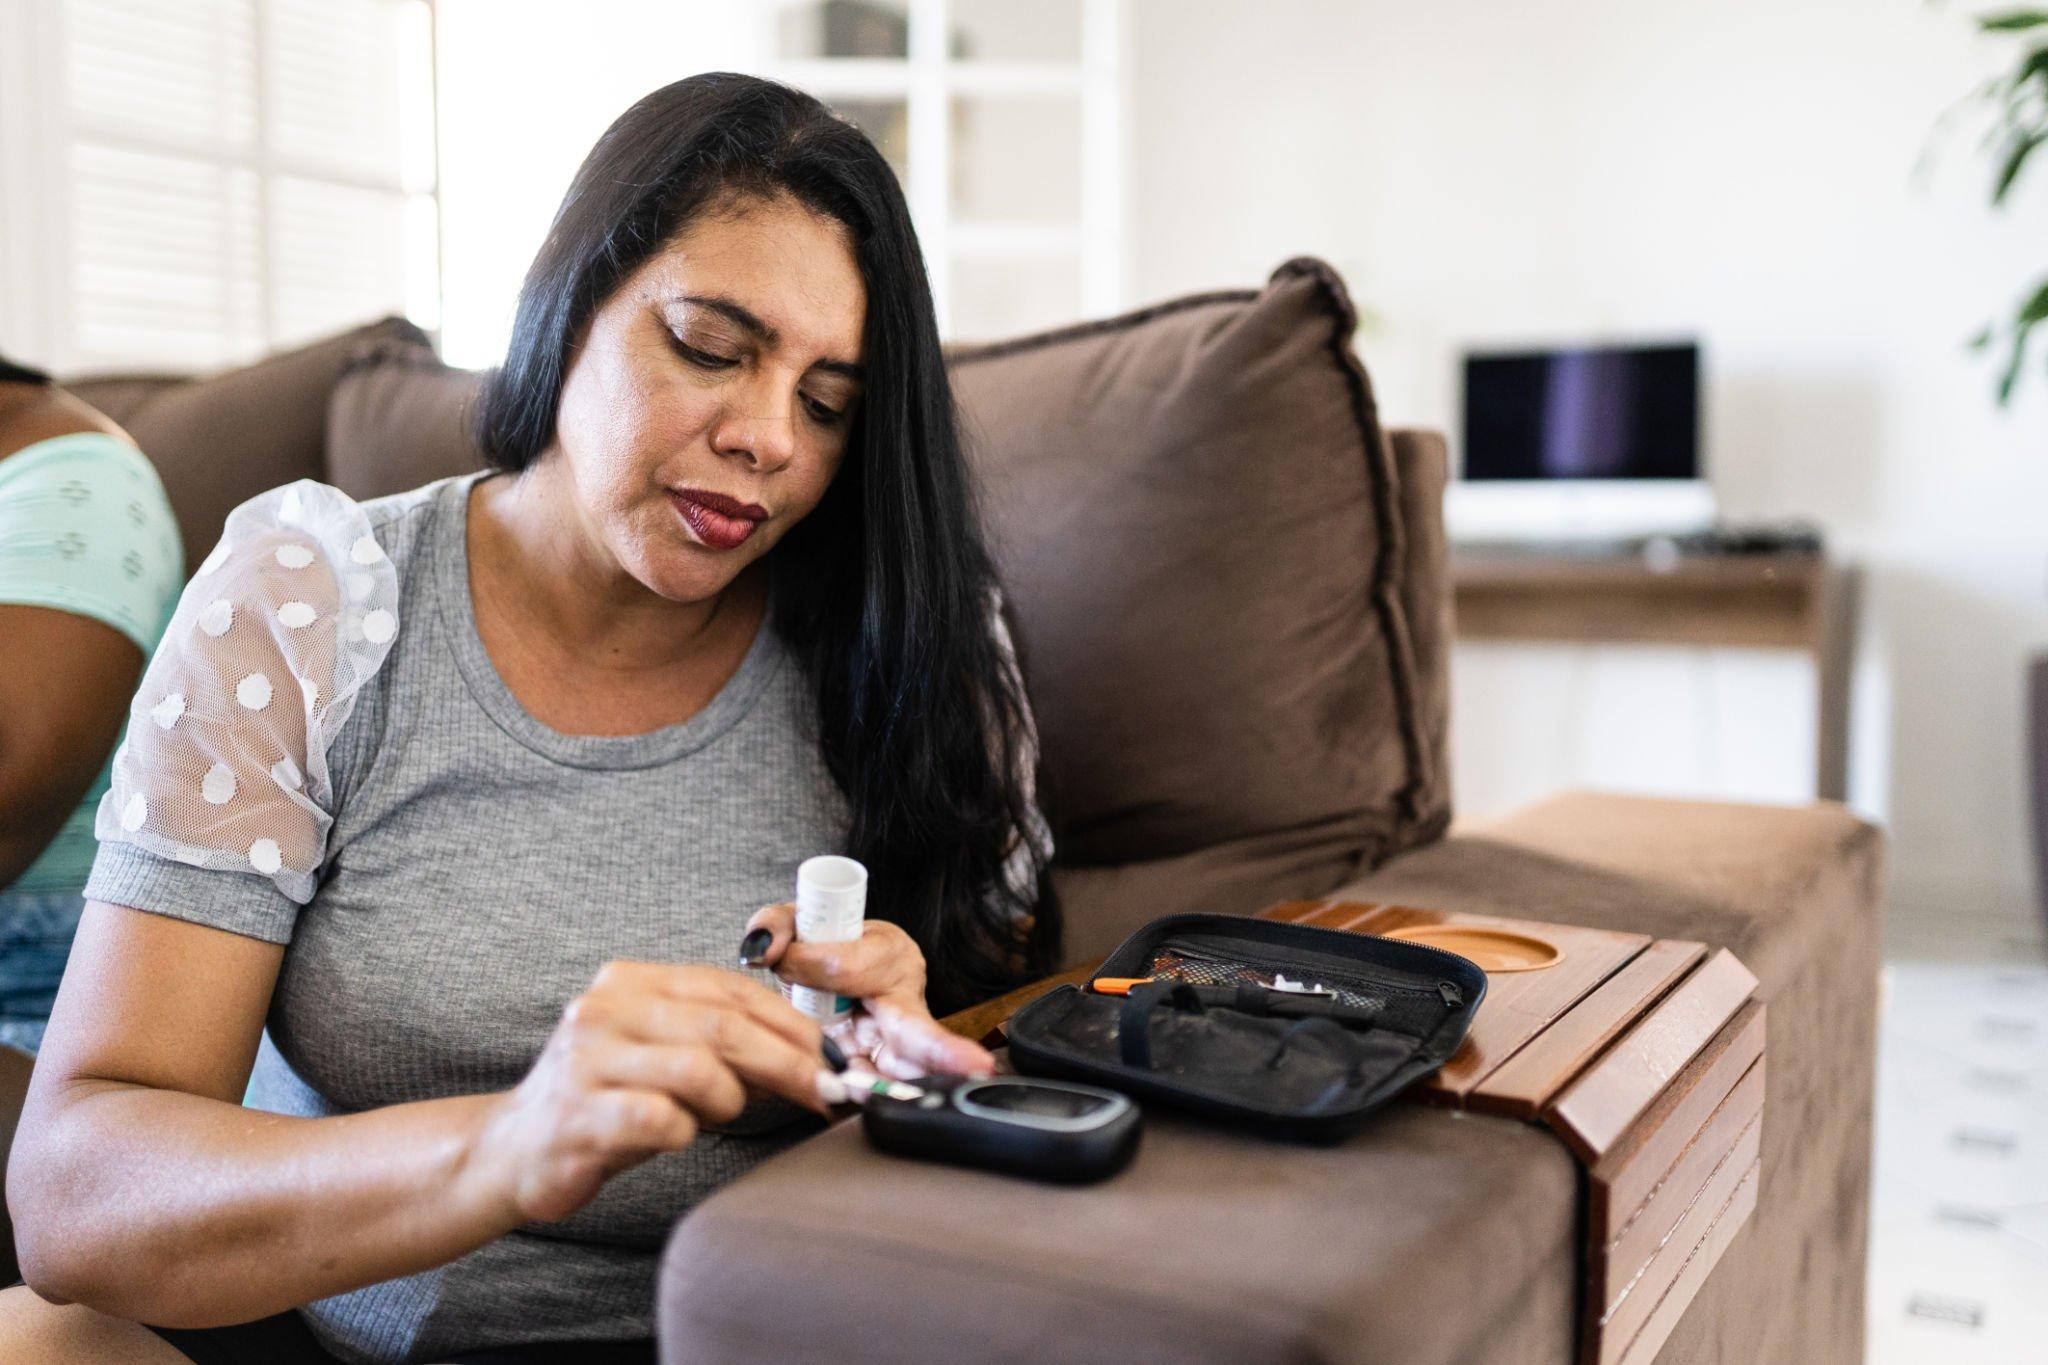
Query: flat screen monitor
[1593, 412]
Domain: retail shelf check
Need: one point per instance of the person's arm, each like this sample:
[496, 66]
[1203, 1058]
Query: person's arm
[65, 679]
[140, 1186]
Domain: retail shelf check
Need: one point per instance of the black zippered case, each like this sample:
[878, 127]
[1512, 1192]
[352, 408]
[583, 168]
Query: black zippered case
[1290, 1028]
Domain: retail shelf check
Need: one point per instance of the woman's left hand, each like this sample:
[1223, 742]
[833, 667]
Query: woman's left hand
[893, 1029]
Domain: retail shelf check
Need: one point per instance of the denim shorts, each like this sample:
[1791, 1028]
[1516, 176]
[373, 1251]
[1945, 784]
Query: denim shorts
[36, 929]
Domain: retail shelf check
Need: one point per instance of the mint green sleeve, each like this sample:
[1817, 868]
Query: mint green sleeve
[85, 528]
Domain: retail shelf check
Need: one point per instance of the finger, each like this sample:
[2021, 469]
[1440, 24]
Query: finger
[889, 1064]
[780, 920]
[712, 988]
[621, 1121]
[916, 1039]
[695, 1076]
[859, 1035]
[882, 961]
[762, 1057]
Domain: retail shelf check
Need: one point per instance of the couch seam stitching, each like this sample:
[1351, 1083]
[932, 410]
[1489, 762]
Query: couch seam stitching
[994, 350]
[1387, 567]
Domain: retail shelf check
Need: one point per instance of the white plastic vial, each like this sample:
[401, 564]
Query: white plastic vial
[831, 902]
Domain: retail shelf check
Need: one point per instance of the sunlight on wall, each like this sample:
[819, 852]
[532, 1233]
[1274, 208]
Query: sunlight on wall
[525, 88]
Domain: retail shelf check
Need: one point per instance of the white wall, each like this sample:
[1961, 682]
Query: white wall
[525, 88]
[1743, 169]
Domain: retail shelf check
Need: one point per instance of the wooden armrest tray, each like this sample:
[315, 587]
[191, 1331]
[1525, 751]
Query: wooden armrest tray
[1644, 1056]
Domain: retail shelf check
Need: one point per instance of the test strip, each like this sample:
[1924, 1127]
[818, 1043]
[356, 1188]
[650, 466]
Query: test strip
[859, 1085]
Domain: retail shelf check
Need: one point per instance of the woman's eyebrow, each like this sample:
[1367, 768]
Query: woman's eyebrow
[768, 336]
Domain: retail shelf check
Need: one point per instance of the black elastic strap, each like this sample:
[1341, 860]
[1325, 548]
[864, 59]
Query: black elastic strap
[1134, 1017]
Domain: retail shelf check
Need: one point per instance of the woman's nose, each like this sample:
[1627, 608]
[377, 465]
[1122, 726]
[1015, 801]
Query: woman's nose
[763, 432]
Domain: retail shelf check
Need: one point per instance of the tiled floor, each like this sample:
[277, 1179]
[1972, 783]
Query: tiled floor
[1959, 1217]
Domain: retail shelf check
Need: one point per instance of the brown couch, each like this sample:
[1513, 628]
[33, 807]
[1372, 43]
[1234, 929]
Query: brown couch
[1231, 591]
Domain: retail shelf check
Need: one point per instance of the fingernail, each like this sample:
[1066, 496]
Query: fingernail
[754, 947]
[831, 1090]
[834, 1058]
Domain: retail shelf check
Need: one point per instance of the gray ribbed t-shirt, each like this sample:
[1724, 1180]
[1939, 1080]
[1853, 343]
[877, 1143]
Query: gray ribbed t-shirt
[479, 870]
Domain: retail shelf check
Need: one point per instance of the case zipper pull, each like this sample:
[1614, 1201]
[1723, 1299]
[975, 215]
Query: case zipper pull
[1453, 997]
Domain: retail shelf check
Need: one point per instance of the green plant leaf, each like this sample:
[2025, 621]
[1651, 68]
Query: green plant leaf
[2011, 377]
[1982, 338]
[2031, 314]
[2012, 20]
[2035, 309]
[2016, 153]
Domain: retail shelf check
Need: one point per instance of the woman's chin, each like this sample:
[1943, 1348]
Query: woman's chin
[690, 574]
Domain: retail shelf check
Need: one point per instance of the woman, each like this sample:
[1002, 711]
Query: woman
[407, 777]
[89, 570]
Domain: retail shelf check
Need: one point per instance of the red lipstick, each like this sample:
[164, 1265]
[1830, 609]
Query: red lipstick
[719, 522]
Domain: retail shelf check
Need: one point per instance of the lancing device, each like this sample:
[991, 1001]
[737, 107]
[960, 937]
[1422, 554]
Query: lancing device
[831, 903]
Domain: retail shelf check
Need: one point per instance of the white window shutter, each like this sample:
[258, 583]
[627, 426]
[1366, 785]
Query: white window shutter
[235, 177]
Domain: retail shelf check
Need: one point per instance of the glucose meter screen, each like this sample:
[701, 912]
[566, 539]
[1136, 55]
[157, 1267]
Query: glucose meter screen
[1037, 1101]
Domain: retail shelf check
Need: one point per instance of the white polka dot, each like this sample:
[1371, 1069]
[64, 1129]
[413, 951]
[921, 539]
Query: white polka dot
[360, 586]
[214, 560]
[253, 691]
[134, 813]
[264, 857]
[296, 614]
[286, 774]
[218, 616]
[294, 556]
[366, 550]
[166, 712]
[218, 786]
[290, 510]
[379, 626]
[310, 690]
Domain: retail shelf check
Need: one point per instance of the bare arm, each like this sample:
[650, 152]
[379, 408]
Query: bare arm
[65, 679]
[140, 1186]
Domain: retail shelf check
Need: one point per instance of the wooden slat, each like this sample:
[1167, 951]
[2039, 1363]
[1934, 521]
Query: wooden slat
[1685, 1286]
[1736, 1128]
[1621, 1181]
[1324, 914]
[982, 1023]
[1593, 1112]
[1518, 1005]
[1522, 1085]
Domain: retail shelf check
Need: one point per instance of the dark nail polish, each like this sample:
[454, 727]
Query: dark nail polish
[834, 1058]
[754, 947]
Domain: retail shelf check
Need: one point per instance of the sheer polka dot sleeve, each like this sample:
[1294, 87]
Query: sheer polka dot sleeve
[225, 764]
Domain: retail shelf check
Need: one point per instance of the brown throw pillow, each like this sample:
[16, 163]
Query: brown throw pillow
[399, 418]
[220, 439]
[1198, 521]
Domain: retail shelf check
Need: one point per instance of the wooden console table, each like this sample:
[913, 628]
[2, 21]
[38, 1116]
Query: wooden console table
[1772, 601]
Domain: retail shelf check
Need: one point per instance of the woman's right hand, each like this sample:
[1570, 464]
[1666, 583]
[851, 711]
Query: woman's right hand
[645, 1057]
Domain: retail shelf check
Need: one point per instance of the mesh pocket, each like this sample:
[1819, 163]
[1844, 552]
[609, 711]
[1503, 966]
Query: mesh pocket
[1174, 962]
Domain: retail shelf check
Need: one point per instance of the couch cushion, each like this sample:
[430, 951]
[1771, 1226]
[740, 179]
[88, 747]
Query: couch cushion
[1427, 1239]
[399, 418]
[1430, 1237]
[1200, 525]
[220, 439]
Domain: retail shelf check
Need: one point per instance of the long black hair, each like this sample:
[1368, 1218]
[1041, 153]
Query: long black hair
[884, 591]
